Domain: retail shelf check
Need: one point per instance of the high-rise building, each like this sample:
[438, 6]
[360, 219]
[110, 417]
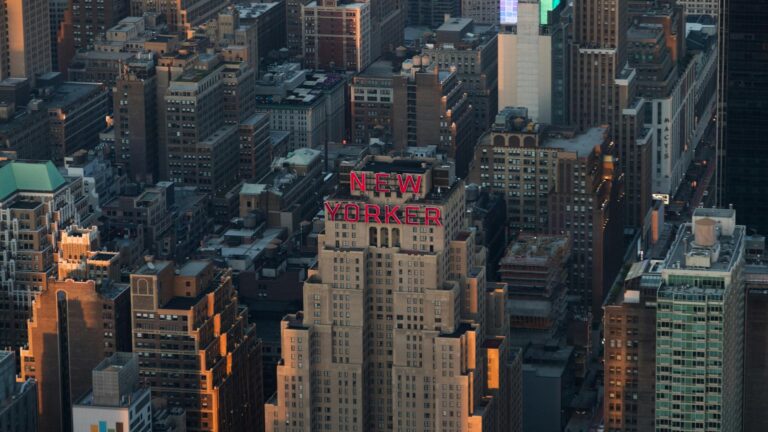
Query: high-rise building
[400, 331]
[481, 11]
[587, 202]
[180, 17]
[239, 80]
[78, 319]
[116, 401]
[668, 78]
[669, 85]
[630, 350]
[269, 19]
[101, 180]
[559, 181]
[700, 326]
[536, 269]
[744, 94]
[487, 215]
[309, 105]
[169, 67]
[287, 194]
[387, 26]
[294, 26]
[337, 35]
[603, 90]
[76, 114]
[135, 120]
[149, 210]
[547, 386]
[473, 51]
[205, 155]
[534, 64]
[36, 201]
[503, 152]
[431, 107]
[255, 147]
[370, 94]
[431, 13]
[25, 46]
[56, 11]
[84, 23]
[755, 338]
[703, 7]
[24, 129]
[235, 39]
[196, 348]
[18, 400]
[97, 66]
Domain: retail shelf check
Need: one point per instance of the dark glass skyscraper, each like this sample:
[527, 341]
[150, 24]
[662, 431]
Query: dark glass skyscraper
[745, 89]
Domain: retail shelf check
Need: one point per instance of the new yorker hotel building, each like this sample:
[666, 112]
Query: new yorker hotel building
[399, 331]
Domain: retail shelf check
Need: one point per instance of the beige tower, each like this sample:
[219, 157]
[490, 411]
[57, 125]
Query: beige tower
[394, 336]
[25, 43]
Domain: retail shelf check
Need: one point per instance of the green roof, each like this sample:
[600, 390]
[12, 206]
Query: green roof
[29, 176]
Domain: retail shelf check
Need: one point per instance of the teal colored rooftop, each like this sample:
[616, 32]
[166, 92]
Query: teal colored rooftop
[30, 177]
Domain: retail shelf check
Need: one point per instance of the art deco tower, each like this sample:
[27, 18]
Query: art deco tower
[400, 331]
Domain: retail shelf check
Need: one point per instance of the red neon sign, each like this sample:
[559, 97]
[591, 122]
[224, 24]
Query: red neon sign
[388, 214]
[405, 182]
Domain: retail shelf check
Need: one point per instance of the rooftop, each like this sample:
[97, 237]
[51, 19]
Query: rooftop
[529, 307]
[538, 248]
[714, 213]
[549, 361]
[396, 166]
[153, 268]
[194, 75]
[116, 361]
[299, 157]
[296, 321]
[455, 24]
[137, 395]
[250, 249]
[25, 205]
[253, 10]
[379, 69]
[111, 290]
[278, 136]
[70, 93]
[582, 144]
[460, 330]
[254, 119]
[193, 268]
[645, 32]
[104, 256]
[493, 343]
[277, 182]
[711, 243]
[183, 303]
[29, 177]
[102, 55]
[341, 4]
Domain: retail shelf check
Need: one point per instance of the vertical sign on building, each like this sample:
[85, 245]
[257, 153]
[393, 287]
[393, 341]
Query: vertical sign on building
[508, 11]
[547, 6]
